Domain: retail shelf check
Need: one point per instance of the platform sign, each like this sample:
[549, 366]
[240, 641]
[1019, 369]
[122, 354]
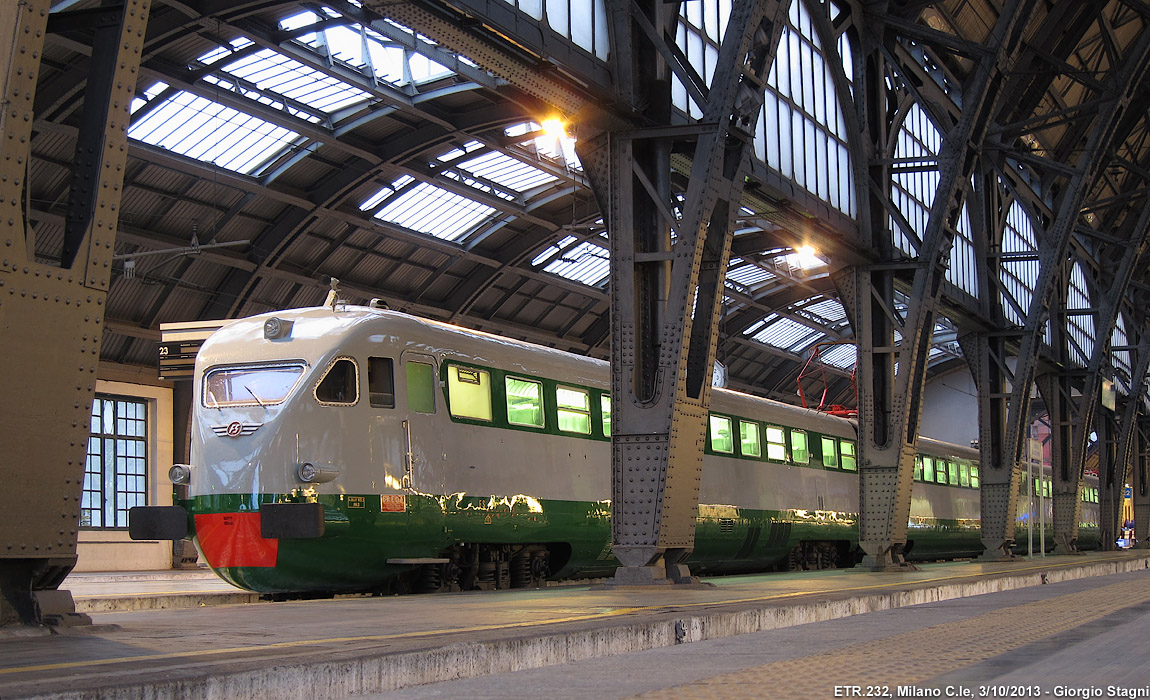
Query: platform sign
[176, 353]
[1128, 492]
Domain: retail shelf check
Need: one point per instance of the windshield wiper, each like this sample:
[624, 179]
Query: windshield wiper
[261, 403]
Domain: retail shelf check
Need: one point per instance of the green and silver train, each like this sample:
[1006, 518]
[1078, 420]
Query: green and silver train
[349, 448]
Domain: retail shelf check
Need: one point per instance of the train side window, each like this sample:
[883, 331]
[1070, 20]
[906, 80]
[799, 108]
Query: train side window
[722, 440]
[800, 454]
[605, 405]
[381, 382]
[469, 392]
[776, 443]
[574, 410]
[420, 387]
[830, 453]
[524, 402]
[940, 471]
[749, 443]
[340, 384]
[918, 467]
[927, 468]
[974, 475]
[952, 468]
[963, 475]
[850, 462]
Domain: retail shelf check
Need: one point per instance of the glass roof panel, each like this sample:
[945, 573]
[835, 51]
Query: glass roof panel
[748, 275]
[587, 262]
[436, 212]
[507, 171]
[273, 72]
[199, 128]
[785, 333]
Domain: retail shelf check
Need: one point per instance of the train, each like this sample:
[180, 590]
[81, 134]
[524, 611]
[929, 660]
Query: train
[346, 448]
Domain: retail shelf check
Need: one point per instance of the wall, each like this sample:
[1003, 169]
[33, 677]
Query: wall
[112, 550]
[950, 409]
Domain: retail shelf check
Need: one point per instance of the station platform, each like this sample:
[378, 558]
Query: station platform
[590, 641]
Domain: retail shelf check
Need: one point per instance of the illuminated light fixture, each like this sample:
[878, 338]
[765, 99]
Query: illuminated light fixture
[180, 473]
[806, 257]
[555, 128]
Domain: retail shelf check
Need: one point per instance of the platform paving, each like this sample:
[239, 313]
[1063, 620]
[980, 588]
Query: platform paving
[355, 647]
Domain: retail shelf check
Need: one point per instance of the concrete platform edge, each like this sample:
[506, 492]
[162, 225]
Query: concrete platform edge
[381, 672]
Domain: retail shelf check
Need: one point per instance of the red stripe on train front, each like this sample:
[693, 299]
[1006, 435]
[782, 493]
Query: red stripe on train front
[233, 539]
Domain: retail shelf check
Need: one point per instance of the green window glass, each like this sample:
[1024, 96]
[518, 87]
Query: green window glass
[722, 440]
[952, 468]
[799, 452]
[927, 468]
[574, 410]
[420, 387]
[749, 443]
[524, 402]
[918, 467]
[974, 475]
[605, 404]
[469, 392]
[776, 444]
[830, 453]
[963, 474]
[850, 463]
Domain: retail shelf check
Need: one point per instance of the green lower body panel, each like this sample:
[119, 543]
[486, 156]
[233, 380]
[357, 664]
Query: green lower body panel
[371, 540]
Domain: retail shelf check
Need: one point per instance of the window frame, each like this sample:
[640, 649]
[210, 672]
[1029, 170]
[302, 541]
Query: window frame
[542, 408]
[138, 496]
[327, 371]
[485, 383]
[711, 422]
[560, 408]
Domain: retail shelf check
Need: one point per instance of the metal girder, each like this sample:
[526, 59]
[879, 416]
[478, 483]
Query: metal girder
[1140, 480]
[1057, 392]
[1110, 471]
[667, 272]
[1052, 249]
[1129, 462]
[890, 400]
[998, 473]
[51, 318]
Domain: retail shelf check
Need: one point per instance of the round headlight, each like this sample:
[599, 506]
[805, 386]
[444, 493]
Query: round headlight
[306, 472]
[180, 473]
[272, 328]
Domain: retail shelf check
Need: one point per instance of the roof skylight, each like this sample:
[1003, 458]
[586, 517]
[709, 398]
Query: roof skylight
[587, 262]
[436, 212]
[199, 128]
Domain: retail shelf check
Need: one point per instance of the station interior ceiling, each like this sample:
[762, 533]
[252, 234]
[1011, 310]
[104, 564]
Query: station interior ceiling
[275, 145]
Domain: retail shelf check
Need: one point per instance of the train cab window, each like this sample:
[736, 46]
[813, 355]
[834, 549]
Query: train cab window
[420, 387]
[776, 444]
[381, 382]
[722, 440]
[605, 406]
[524, 402]
[830, 453]
[749, 443]
[952, 469]
[974, 476]
[469, 392]
[927, 468]
[800, 453]
[850, 462]
[340, 385]
[262, 385]
[574, 406]
[963, 474]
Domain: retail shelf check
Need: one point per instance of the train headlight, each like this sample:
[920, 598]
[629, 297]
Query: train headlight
[277, 328]
[180, 473]
[315, 474]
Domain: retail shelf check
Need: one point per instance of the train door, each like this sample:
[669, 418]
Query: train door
[423, 451]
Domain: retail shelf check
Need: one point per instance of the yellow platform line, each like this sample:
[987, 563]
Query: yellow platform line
[914, 657]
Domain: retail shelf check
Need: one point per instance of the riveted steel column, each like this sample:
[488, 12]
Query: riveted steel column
[51, 318]
[998, 474]
[666, 289]
[1140, 482]
[1111, 478]
[1066, 479]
